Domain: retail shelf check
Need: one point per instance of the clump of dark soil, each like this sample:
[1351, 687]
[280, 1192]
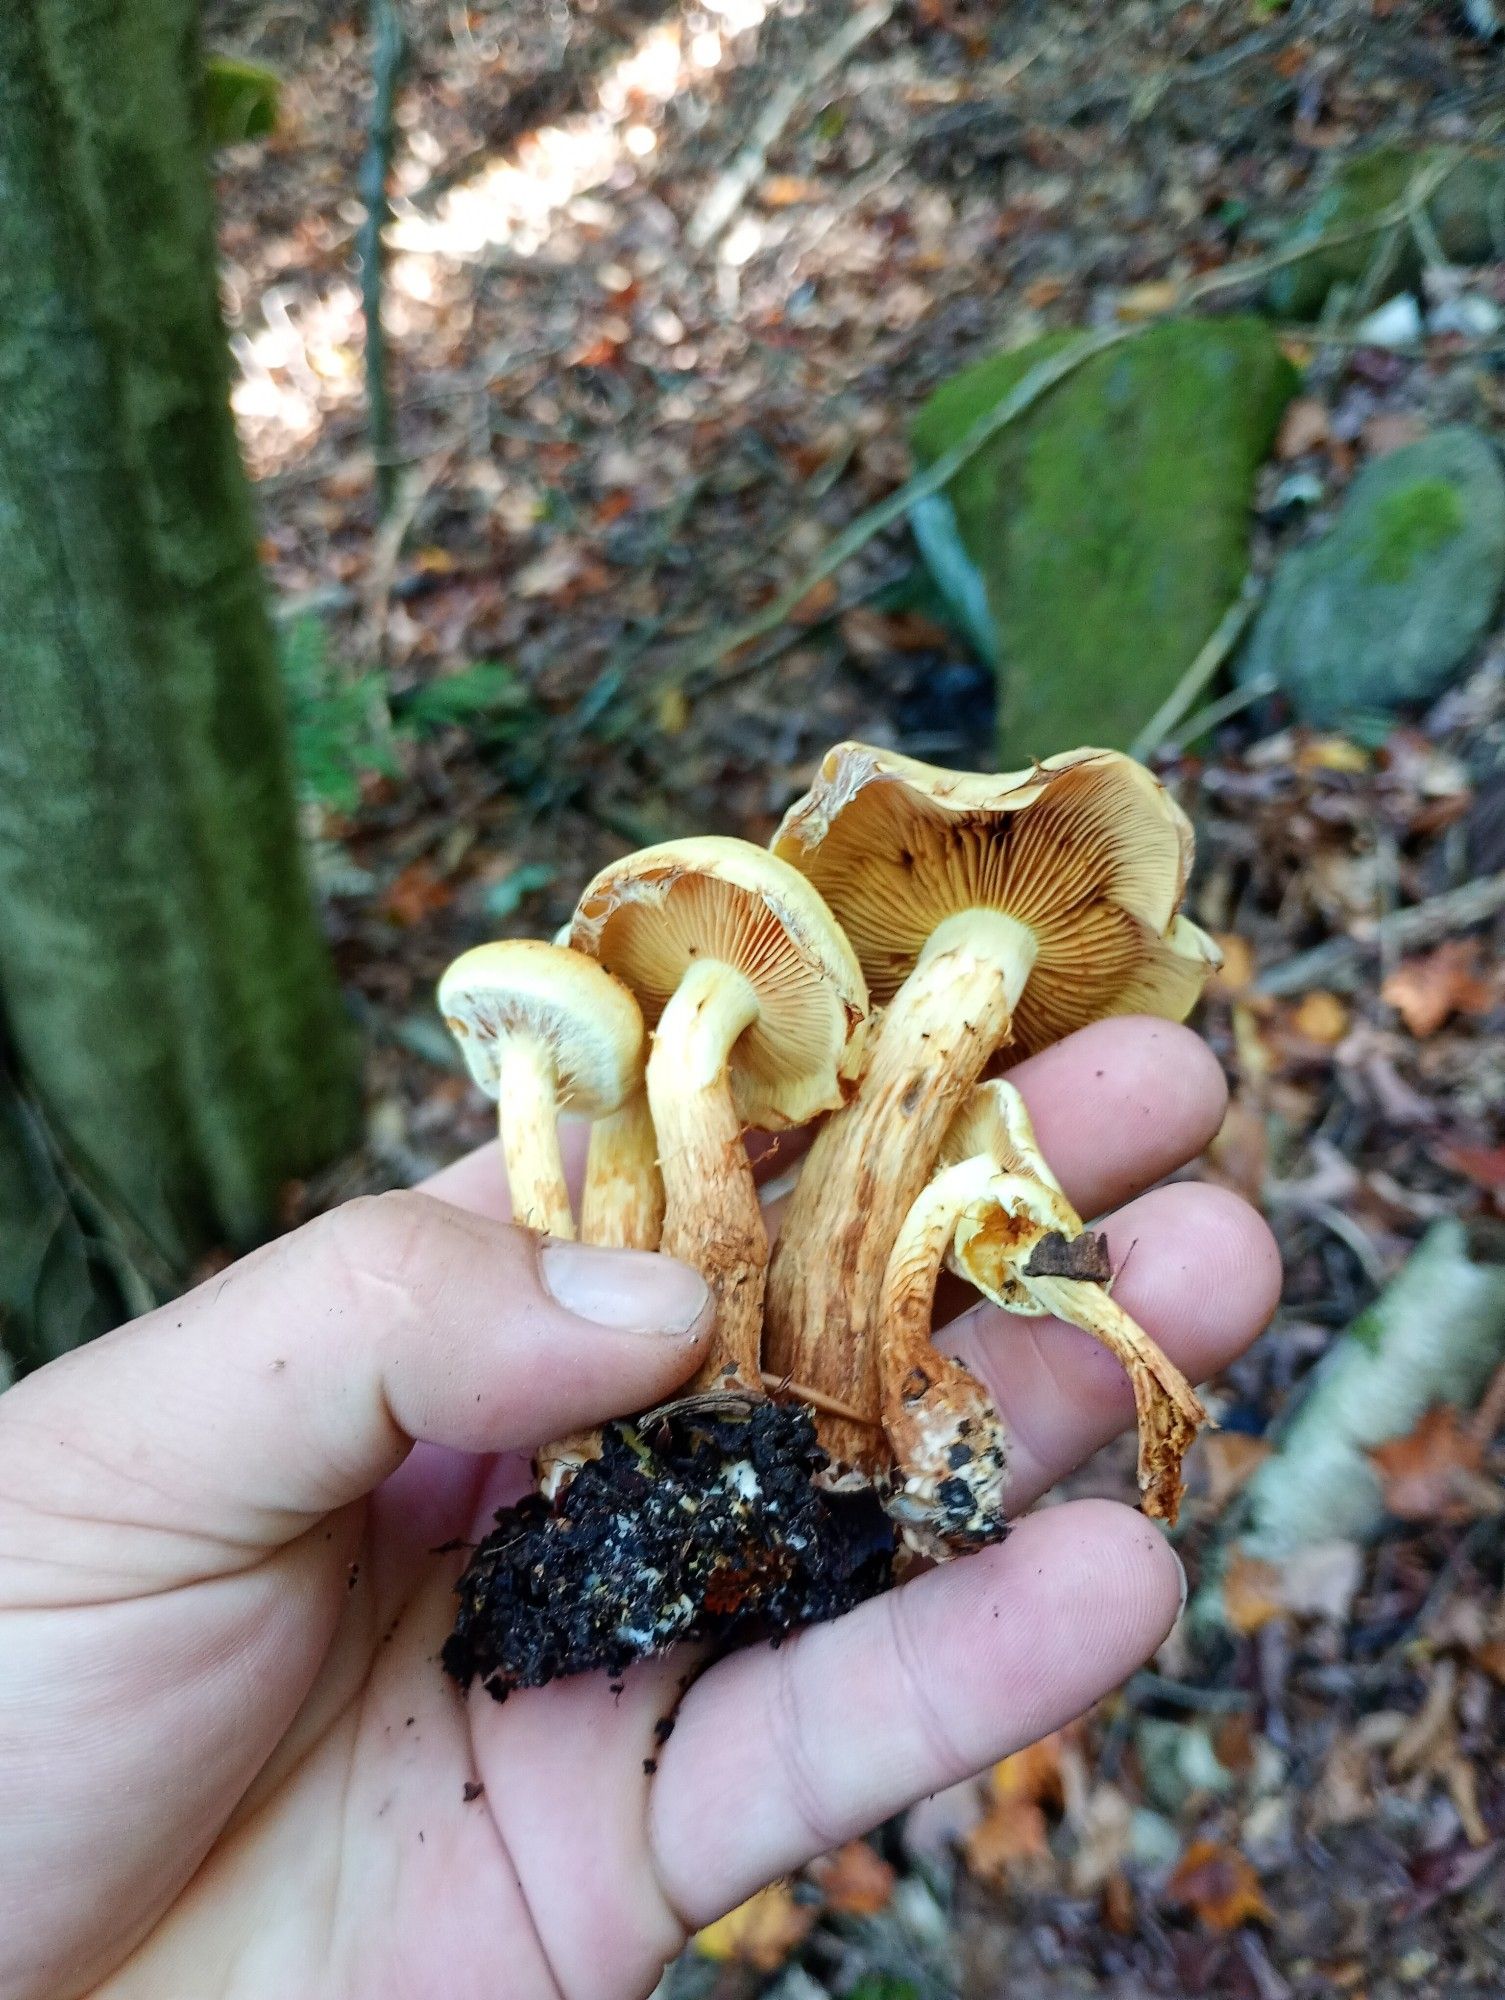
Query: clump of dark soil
[698, 1521]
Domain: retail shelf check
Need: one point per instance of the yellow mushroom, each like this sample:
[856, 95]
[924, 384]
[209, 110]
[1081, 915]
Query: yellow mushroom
[758, 1008]
[989, 913]
[1023, 1245]
[541, 1026]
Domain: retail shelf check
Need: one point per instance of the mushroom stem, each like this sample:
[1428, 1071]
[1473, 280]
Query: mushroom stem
[871, 1160]
[527, 1120]
[947, 1438]
[712, 1216]
[623, 1201]
[1168, 1409]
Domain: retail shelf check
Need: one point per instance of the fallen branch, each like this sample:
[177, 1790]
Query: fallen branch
[1339, 962]
[733, 185]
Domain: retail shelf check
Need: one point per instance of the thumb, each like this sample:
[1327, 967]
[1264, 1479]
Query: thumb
[298, 1379]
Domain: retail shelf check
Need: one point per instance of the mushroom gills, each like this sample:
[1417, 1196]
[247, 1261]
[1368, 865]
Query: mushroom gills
[991, 913]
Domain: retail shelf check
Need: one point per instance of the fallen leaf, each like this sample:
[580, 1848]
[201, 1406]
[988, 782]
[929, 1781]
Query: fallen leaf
[1235, 975]
[764, 1932]
[1040, 292]
[1013, 1837]
[856, 1881]
[1219, 1886]
[1389, 430]
[1483, 1165]
[1251, 1592]
[1231, 1459]
[1428, 991]
[817, 603]
[1332, 753]
[1322, 1017]
[787, 191]
[1149, 300]
[418, 892]
[1304, 426]
[1433, 1473]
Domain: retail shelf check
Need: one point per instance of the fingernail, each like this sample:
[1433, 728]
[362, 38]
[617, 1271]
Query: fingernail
[635, 1291]
[1185, 1587]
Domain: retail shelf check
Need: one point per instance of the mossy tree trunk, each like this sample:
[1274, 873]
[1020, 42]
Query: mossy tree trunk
[173, 1022]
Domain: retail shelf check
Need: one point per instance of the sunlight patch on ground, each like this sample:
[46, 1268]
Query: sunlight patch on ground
[513, 202]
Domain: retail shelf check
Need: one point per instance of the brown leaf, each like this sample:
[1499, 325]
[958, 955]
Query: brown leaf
[1011, 1838]
[1232, 1458]
[764, 1932]
[1428, 991]
[817, 603]
[1321, 1017]
[787, 191]
[1433, 1473]
[1483, 1165]
[1219, 1886]
[1149, 300]
[855, 1880]
[418, 892]
[1304, 426]
[1251, 1592]
[1057, 1256]
[1236, 974]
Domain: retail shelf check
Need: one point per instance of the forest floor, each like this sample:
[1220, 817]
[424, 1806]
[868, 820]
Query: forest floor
[625, 422]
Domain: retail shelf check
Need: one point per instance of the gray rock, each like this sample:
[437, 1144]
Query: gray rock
[1384, 608]
[1466, 211]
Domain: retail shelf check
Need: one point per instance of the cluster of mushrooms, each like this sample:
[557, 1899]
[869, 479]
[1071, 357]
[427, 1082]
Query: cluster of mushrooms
[909, 935]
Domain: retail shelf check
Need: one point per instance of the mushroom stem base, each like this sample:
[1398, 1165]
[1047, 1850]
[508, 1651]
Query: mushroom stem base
[698, 1521]
[712, 1216]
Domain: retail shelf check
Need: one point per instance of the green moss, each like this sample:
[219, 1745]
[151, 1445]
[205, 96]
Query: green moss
[1111, 522]
[1466, 210]
[1411, 525]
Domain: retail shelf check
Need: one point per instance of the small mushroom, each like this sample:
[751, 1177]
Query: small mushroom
[758, 1008]
[540, 1027]
[1019, 1240]
[989, 913]
[950, 1451]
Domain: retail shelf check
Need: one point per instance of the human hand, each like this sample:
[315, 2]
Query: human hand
[229, 1761]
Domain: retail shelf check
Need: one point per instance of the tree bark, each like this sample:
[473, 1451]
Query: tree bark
[171, 1011]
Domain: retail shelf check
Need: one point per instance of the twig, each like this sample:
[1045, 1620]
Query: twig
[388, 54]
[1227, 705]
[1339, 960]
[1214, 650]
[733, 185]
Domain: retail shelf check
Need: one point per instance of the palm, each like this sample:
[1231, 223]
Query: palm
[273, 1710]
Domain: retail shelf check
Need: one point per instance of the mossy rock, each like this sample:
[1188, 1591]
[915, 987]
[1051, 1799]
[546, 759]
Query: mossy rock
[1382, 610]
[1466, 210]
[1110, 522]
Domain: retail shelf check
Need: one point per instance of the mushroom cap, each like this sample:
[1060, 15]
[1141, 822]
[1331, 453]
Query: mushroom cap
[654, 914]
[589, 1022]
[1088, 849]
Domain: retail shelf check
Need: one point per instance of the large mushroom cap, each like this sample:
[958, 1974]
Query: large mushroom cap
[1088, 849]
[588, 1021]
[653, 915]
